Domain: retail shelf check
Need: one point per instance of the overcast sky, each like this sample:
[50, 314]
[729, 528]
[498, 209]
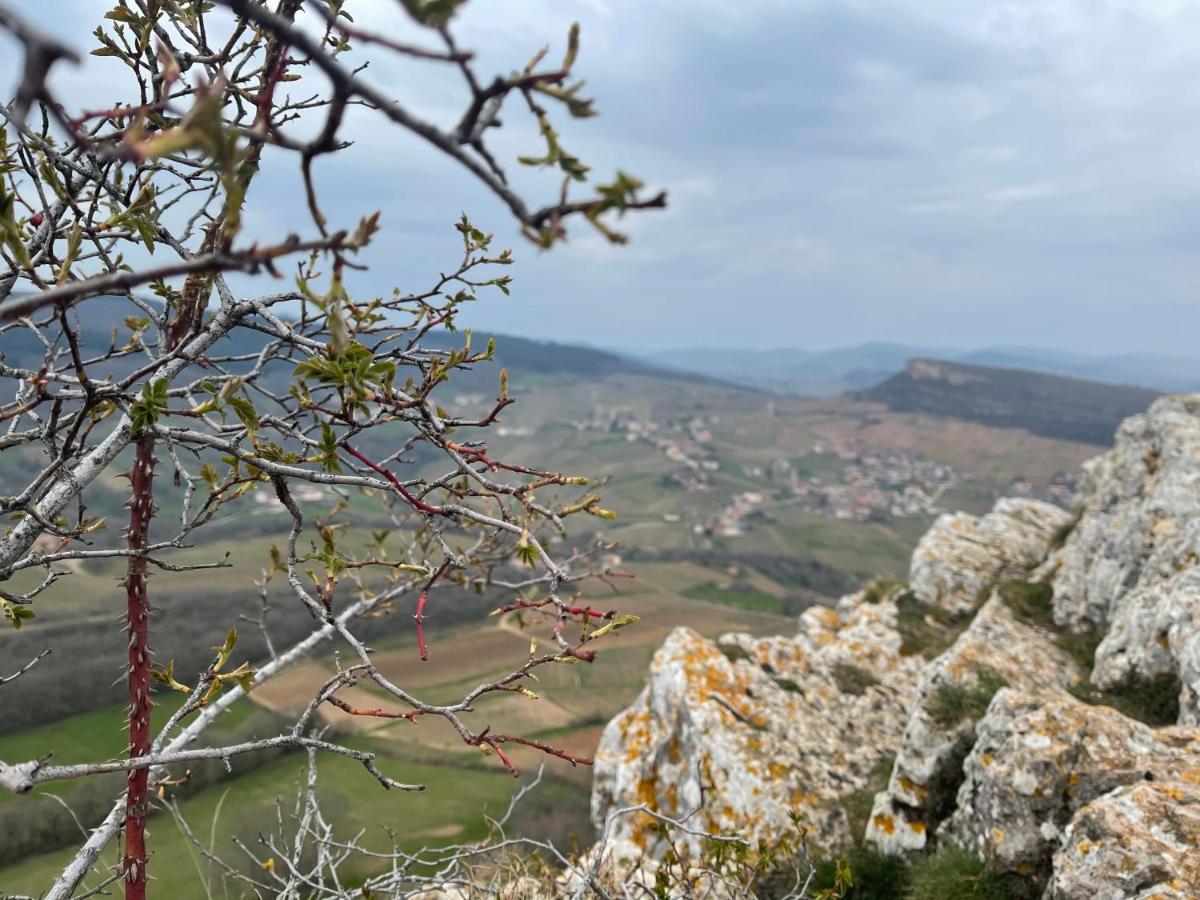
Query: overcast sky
[926, 171]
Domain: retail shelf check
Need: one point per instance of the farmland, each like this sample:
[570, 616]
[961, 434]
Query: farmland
[717, 525]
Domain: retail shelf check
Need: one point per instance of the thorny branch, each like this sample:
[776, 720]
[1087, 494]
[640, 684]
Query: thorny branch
[242, 393]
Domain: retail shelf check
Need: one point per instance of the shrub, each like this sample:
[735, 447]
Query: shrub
[1154, 701]
[926, 630]
[853, 679]
[875, 876]
[1031, 601]
[880, 589]
[956, 701]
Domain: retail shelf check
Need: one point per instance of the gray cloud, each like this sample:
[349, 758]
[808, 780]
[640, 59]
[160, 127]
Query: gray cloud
[920, 170]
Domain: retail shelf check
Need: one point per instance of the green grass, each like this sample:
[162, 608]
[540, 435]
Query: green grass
[1064, 531]
[351, 798]
[735, 595]
[96, 735]
[955, 874]
[875, 876]
[926, 630]
[950, 873]
[957, 701]
[1030, 601]
[91, 736]
[1154, 701]
[858, 804]
[1081, 645]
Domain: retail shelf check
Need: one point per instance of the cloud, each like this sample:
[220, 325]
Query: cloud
[841, 170]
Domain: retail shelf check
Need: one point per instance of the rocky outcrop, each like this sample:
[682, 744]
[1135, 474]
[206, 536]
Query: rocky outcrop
[953, 691]
[777, 731]
[1138, 841]
[958, 560]
[1128, 569]
[1140, 515]
[1039, 759]
[993, 752]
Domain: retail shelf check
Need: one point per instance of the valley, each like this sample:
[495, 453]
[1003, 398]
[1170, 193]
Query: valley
[736, 510]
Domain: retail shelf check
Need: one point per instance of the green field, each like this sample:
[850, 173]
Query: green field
[452, 808]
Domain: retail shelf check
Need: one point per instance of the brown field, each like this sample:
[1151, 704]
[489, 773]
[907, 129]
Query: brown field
[573, 700]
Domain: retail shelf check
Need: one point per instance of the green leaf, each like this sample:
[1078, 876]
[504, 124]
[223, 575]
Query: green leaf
[614, 624]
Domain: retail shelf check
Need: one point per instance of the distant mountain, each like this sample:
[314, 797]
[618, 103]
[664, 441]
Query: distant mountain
[810, 372]
[523, 356]
[99, 316]
[1165, 372]
[826, 372]
[1050, 405]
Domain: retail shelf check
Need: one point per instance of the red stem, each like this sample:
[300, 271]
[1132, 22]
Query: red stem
[420, 620]
[395, 482]
[375, 713]
[137, 621]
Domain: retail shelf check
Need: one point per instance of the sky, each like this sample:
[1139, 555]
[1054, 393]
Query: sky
[839, 171]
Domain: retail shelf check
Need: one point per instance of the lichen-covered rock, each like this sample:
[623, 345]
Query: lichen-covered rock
[952, 693]
[1137, 841]
[772, 728]
[962, 555]
[1140, 514]
[1038, 759]
[1155, 631]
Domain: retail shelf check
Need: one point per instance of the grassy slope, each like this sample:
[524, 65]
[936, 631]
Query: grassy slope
[453, 797]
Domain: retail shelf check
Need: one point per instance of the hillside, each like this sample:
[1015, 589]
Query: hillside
[101, 317]
[820, 373]
[1049, 405]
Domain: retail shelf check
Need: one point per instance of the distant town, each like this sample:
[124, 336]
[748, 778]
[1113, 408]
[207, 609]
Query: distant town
[863, 483]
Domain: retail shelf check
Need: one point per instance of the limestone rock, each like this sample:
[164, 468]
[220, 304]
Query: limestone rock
[770, 727]
[995, 649]
[1039, 759]
[1140, 514]
[962, 555]
[1156, 631]
[1137, 841]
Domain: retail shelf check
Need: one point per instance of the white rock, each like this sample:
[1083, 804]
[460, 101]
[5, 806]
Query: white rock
[962, 555]
[770, 734]
[1085, 752]
[1141, 841]
[1140, 514]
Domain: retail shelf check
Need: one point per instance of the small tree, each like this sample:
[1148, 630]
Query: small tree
[230, 392]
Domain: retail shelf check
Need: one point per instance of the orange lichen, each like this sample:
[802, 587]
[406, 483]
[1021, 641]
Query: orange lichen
[917, 790]
[674, 752]
[885, 823]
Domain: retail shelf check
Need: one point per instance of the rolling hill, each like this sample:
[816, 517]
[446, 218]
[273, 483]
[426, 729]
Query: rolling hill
[819, 373]
[1049, 405]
